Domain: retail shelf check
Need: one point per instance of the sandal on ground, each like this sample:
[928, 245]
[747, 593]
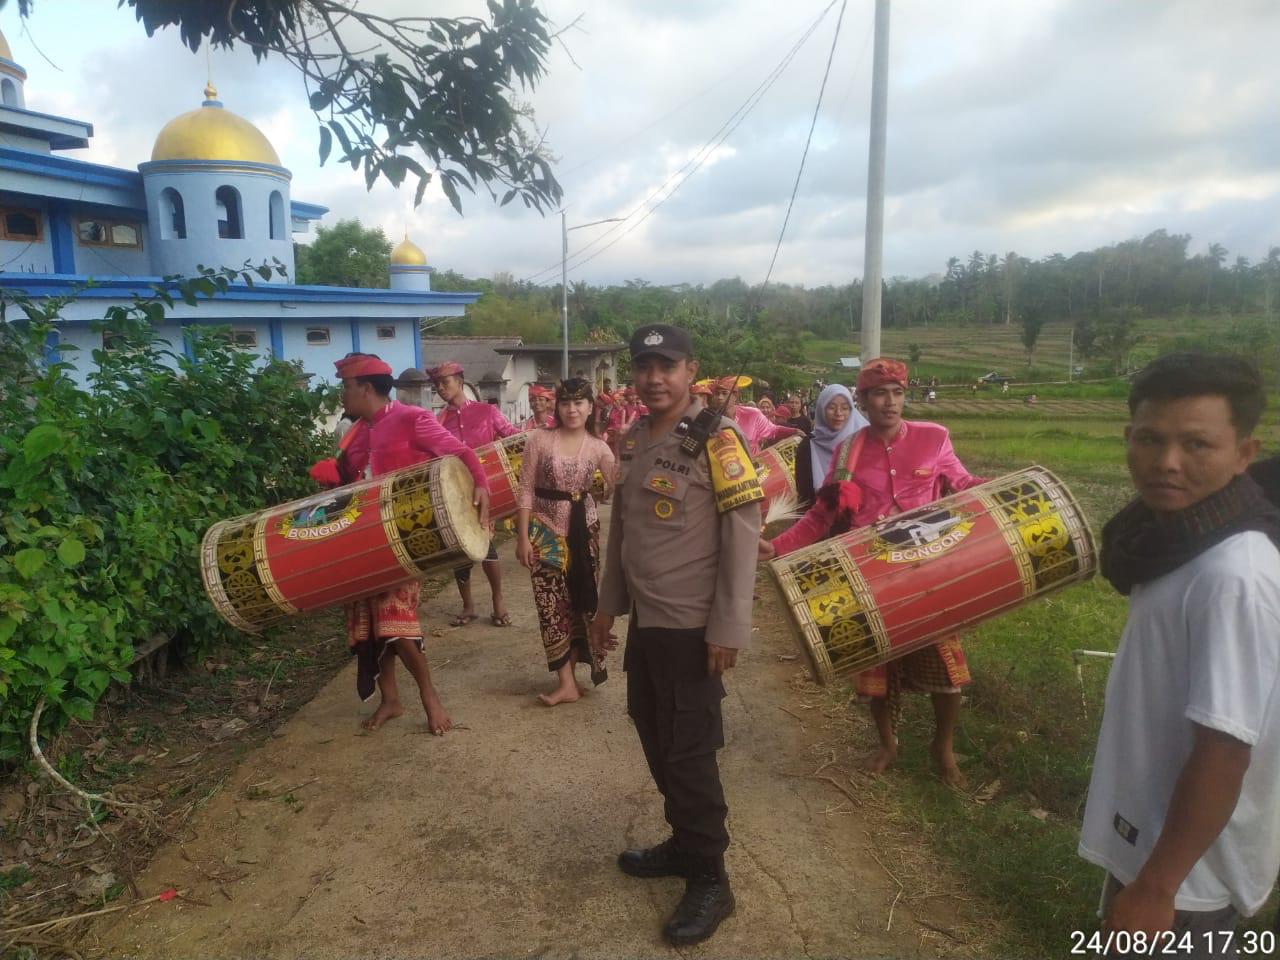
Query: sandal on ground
[462, 619]
[500, 621]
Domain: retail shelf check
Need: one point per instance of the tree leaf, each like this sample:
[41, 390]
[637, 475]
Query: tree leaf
[43, 440]
[326, 144]
[71, 552]
[28, 561]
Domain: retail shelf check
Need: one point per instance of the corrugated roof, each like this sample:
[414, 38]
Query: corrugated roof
[477, 355]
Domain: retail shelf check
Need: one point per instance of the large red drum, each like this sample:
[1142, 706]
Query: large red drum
[343, 544]
[501, 461]
[776, 468]
[877, 593]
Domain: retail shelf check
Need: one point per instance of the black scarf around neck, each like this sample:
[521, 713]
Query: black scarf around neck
[1139, 545]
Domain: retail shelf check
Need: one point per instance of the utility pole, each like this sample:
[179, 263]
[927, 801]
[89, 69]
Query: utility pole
[874, 247]
[1071, 353]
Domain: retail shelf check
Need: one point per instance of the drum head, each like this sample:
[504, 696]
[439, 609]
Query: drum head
[456, 490]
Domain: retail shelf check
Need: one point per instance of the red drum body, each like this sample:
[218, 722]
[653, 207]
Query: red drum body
[877, 593]
[776, 468]
[501, 463]
[343, 544]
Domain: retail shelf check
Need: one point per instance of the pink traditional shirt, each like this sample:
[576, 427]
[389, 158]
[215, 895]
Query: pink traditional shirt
[916, 467]
[622, 416]
[545, 466]
[475, 423]
[759, 429]
[401, 435]
[531, 423]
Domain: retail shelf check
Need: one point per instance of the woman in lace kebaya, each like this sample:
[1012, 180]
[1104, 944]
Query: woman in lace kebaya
[558, 533]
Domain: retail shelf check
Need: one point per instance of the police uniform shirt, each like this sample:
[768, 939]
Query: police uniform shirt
[681, 562]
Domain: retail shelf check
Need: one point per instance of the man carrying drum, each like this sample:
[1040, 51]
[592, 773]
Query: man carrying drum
[475, 424]
[389, 435]
[1182, 810]
[680, 561]
[890, 467]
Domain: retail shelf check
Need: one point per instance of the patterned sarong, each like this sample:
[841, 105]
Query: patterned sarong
[564, 629]
[374, 621]
[940, 668]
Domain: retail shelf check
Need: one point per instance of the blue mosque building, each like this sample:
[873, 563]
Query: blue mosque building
[213, 194]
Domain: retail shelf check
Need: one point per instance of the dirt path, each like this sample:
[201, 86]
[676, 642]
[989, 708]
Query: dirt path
[499, 839]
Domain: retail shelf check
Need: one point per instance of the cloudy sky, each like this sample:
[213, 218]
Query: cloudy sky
[1037, 126]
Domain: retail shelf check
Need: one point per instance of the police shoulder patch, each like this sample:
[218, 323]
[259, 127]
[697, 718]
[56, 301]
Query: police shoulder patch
[733, 476]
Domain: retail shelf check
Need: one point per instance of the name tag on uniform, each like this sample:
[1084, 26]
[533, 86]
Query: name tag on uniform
[922, 472]
[661, 483]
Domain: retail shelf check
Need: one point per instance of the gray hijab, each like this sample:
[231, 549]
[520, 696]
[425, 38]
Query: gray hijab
[825, 440]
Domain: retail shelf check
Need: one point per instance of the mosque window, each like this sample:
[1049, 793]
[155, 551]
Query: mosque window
[277, 215]
[230, 223]
[245, 339]
[317, 336]
[8, 92]
[19, 224]
[173, 216]
[386, 333]
[109, 233]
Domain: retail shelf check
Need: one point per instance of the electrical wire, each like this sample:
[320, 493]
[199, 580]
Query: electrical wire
[817, 107]
[725, 130]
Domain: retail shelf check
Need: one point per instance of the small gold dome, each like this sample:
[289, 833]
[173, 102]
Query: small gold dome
[408, 254]
[213, 133]
[5, 52]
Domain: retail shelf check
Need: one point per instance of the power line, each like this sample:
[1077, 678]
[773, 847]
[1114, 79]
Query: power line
[696, 161]
[755, 56]
[808, 140]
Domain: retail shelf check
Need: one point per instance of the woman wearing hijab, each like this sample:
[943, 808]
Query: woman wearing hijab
[838, 419]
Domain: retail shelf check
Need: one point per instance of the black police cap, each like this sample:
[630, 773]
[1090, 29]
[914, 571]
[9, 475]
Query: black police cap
[662, 339]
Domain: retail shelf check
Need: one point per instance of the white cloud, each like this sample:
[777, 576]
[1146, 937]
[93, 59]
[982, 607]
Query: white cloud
[1037, 127]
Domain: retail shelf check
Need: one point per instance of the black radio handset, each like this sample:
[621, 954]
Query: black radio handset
[698, 431]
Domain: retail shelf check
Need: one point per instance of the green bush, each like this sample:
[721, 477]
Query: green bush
[105, 492]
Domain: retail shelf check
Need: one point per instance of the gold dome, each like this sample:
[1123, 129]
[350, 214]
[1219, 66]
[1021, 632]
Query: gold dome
[213, 133]
[408, 254]
[5, 52]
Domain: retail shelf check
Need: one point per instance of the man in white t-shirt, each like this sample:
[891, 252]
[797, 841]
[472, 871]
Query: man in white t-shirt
[1183, 812]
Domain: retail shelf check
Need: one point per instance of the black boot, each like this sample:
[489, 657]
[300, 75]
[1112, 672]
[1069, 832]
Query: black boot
[664, 860]
[706, 902]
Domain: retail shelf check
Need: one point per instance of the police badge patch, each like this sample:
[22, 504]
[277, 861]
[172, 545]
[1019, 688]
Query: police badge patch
[733, 475]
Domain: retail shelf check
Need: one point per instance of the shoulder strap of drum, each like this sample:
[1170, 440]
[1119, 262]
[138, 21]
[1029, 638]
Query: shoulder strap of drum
[847, 455]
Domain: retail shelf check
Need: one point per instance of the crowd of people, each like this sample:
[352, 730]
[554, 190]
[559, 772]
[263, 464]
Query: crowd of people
[1180, 815]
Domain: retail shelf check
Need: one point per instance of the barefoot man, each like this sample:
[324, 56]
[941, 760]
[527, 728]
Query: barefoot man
[389, 435]
[895, 466]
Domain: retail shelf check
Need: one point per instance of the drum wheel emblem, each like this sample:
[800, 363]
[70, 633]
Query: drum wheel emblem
[664, 508]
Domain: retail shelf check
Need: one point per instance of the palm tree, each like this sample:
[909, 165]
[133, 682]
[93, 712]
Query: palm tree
[1217, 256]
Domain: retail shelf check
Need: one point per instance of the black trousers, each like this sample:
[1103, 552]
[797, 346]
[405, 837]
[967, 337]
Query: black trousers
[675, 704]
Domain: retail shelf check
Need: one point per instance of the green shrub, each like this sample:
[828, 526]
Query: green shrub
[105, 492]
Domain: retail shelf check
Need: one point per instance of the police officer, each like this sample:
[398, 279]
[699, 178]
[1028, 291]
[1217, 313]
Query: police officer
[681, 561]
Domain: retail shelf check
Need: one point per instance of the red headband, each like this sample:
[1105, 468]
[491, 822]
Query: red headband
[449, 369]
[700, 389]
[880, 371]
[538, 390]
[361, 365]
